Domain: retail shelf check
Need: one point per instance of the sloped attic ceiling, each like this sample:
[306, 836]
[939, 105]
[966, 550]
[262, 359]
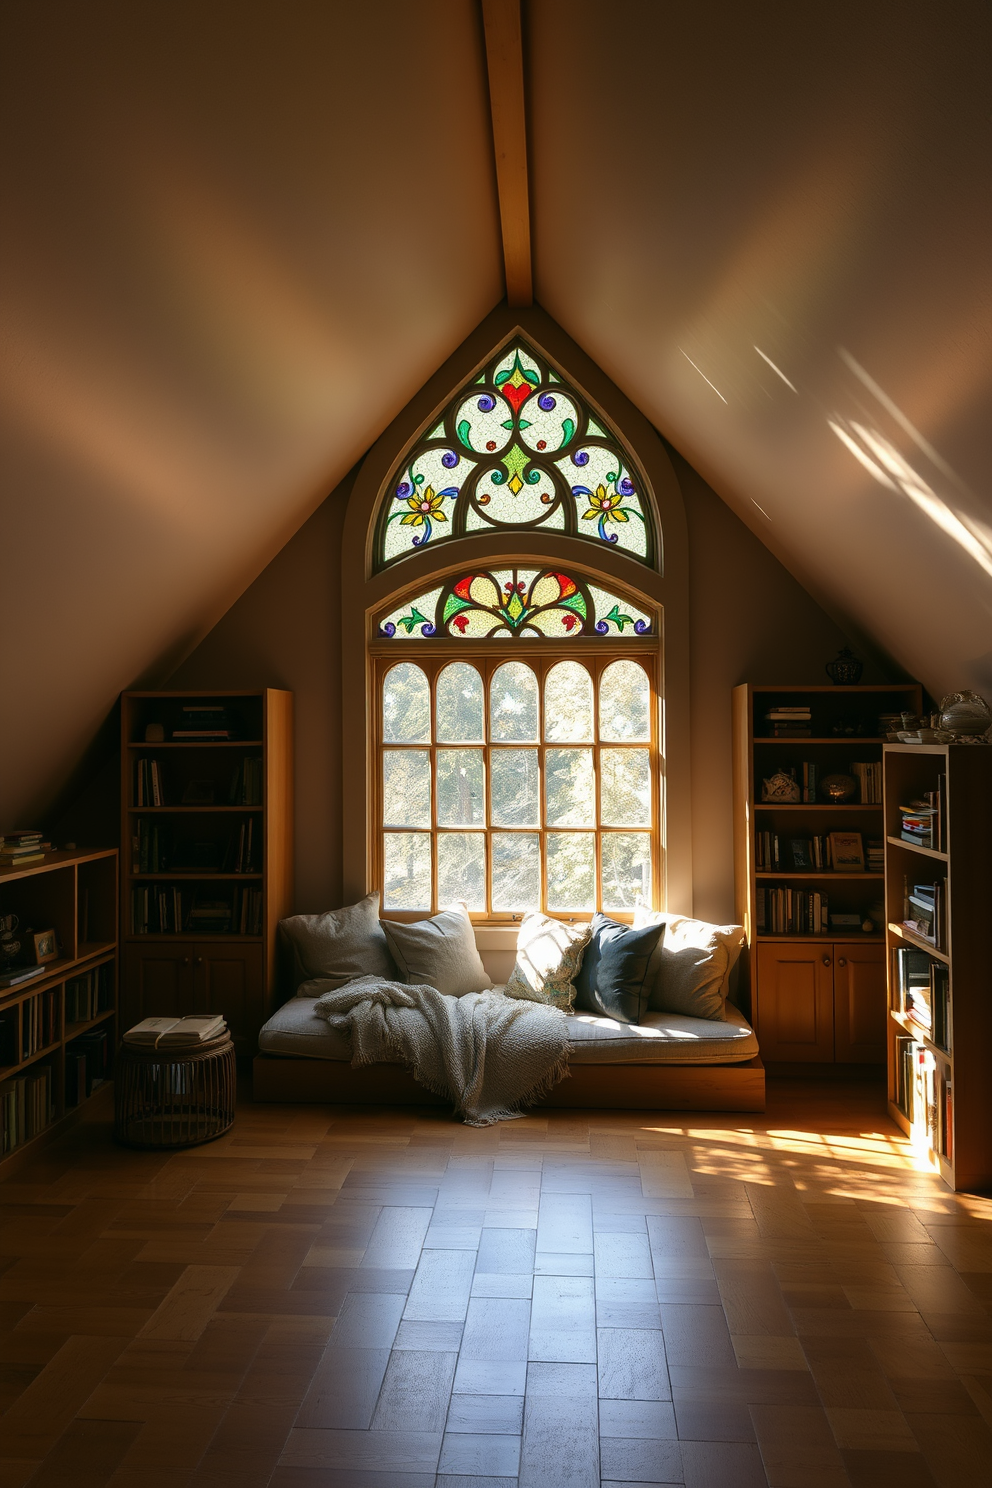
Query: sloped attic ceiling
[238, 237]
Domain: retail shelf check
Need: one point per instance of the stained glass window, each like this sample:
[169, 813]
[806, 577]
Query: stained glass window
[523, 784]
[518, 447]
[507, 603]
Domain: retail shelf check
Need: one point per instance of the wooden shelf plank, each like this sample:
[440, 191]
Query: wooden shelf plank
[918, 942]
[849, 739]
[811, 806]
[186, 810]
[908, 1026]
[205, 877]
[827, 875]
[913, 847]
[199, 744]
[73, 1030]
[7, 1070]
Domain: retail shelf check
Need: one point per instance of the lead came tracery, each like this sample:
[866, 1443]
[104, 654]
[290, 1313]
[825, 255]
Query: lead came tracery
[520, 448]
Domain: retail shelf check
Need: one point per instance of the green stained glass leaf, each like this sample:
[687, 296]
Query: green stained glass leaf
[464, 433]
[568, 429]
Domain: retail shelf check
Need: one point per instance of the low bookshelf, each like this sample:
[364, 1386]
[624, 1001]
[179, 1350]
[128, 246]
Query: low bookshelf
[207, 853]
[938, 863]
[58, 1030]
[816, 976]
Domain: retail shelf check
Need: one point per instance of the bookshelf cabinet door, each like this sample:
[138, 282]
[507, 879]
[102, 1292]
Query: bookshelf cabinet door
[795, 1014]
[859, 1003]
[228, 979]
[157, 983]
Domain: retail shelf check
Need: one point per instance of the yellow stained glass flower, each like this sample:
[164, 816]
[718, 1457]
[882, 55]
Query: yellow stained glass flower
[425, 506]
[607, 506]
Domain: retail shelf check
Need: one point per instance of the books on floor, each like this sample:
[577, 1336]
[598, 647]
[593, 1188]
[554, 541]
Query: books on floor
[176, 1033]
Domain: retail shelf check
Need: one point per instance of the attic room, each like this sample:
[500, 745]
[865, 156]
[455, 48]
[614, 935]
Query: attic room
[497, 753]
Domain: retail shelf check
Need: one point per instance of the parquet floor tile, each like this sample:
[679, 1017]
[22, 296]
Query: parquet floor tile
[386, 1299]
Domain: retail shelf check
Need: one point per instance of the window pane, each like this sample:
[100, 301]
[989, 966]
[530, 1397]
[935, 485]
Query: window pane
[459, 707]
[408, 870]
[461, 868]
[406, 788]
[571, 870]
[625, 783]
[624, 702]
[626, 869]
[570, 788]
[515, 788]
[516, 870]
[513, 704]
[568, 704]
[406, 705]
[460, 788]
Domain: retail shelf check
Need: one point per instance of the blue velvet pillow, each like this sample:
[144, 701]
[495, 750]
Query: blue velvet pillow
[613, 980]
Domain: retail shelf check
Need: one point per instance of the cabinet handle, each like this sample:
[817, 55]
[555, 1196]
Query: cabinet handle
[185, 961]
[826, 960]
[841, 961]
[198, 961]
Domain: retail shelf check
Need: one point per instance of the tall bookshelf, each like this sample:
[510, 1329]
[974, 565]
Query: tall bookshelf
[817, 993]
[58, 1031]
[207, 853]
[946, 1075]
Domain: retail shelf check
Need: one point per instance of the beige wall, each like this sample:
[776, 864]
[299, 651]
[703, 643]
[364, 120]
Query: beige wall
[750, 621]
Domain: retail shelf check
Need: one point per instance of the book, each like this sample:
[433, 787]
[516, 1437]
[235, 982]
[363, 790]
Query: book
[19, 974]
[168, 1033]
[20, 860]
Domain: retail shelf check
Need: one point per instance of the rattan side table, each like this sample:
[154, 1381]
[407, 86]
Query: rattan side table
[174, 1097]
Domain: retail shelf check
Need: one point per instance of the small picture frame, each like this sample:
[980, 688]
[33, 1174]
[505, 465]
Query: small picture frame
[46, 946]
[847, 854]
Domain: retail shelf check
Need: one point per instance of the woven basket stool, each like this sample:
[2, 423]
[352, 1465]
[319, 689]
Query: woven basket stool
[174, 1097]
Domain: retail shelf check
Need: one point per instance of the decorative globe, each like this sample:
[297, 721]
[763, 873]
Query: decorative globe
[839, 789]
[965, 713]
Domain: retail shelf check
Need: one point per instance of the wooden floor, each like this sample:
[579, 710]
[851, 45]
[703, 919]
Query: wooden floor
[332, 1299]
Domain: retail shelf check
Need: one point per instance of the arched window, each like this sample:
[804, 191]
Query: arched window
[513, 739]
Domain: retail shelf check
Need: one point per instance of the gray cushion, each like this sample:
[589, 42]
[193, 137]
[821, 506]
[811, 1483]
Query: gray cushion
[663, 1038]
[440, 952]
[339, 945]
[690, 969]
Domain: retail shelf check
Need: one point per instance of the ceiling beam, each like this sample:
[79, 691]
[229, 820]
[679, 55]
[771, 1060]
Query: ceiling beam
[505, 59]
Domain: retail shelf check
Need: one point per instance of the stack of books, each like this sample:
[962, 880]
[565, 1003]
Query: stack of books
[789, 722]
[918, 823]
[205, 721]
[209, 916]
[176, 1033]
[20, 848]
[875, 855]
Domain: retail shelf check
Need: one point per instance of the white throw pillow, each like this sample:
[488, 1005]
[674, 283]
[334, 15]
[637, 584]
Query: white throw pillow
[440, 952]
[690, 970]
[339, 945]
[549, 954]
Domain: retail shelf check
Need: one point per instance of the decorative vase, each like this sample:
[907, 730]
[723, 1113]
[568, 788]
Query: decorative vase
[839, 789]
[966, 715]
[845, 669]
[780, 787]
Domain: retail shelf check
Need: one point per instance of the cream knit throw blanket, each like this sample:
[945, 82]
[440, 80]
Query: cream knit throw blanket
[488, 1053]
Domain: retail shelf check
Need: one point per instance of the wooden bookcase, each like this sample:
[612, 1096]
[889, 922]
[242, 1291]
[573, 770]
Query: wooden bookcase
[189, 852]
[74, 894]
[816, 997]
[964, 870]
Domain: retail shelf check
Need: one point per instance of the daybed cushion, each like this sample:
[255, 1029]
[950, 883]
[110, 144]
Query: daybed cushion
[440, 952]
[339, 945]
[612, 981]
[690, 969]
[663, 1038]
[549, 954]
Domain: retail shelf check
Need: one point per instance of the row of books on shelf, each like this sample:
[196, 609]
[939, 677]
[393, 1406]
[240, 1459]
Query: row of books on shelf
[89, 995]
[924, 1096]
[87, 1064]
[923, 820]
[244, 789]
[165, 909]
[922, 993]
[39, 1022]
[792, 912]
[924, 912]
[27, 1106]
[833, 852]
[154, 850]
[868, 774]
[795, 721]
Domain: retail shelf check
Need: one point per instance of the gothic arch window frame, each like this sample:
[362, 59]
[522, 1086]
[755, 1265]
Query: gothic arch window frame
[369, 590]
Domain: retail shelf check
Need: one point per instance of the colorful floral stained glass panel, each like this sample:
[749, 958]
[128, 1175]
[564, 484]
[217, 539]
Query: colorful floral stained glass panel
[516, 447]
[515, 603]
